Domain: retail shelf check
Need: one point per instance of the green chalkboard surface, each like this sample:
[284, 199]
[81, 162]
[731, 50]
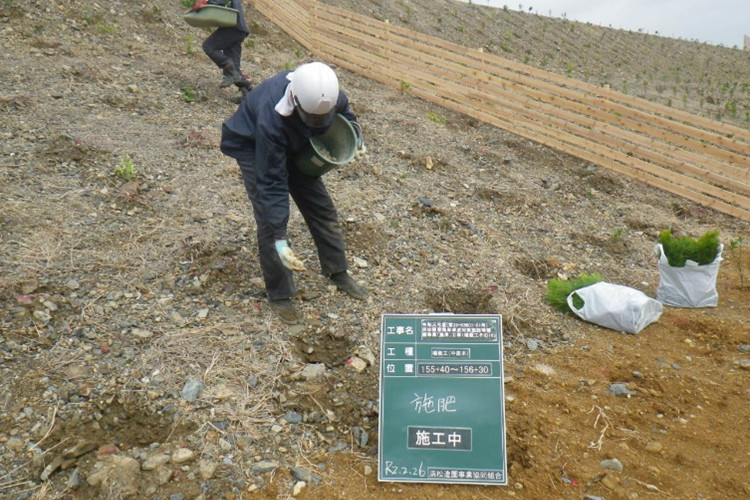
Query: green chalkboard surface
[442, 418]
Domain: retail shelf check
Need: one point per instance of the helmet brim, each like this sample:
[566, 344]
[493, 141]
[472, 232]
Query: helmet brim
[315, 120]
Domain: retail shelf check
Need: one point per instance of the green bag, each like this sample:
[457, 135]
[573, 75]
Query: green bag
[212, 16]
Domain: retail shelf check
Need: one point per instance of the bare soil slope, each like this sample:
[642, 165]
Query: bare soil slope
[117, 295]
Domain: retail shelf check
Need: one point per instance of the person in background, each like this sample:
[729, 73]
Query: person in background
[224, 46]
[272, 123]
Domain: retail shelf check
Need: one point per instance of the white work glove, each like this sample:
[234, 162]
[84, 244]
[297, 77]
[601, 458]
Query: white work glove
[287, 257]
[361, 150]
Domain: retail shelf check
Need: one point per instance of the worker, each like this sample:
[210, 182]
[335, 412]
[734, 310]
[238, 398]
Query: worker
[272, 123]
[224, 46]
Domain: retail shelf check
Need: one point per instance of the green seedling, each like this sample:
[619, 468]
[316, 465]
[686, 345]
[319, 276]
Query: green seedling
[559, 289]
[437, 119]
[405, 85]
[109, 29]
[188, 94]
[189, 49]
[731, 108]
[735, 246]
[125, 169]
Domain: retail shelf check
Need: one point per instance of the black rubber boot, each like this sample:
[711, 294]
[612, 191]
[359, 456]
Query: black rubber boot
[231, 76]
[244, 85]
[285, 310]
[347, 284]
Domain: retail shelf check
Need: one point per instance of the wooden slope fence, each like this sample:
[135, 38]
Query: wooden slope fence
[700, 159]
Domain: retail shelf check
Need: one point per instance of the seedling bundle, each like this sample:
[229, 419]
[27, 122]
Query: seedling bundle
[605, 304]
[688, 269]
[558, 290]
[701, 251]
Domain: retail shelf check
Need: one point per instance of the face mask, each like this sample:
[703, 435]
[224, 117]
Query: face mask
[313, 120]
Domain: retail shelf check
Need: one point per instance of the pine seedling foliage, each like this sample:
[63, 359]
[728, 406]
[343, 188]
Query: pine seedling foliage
[559, 289]
[678, 250]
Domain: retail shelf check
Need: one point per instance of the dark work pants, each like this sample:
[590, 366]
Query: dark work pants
[315, 205]
[225, 45]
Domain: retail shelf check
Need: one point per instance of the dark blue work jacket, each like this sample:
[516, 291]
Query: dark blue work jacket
[258, 135]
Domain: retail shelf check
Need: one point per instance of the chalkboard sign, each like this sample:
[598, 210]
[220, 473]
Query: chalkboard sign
[442, 418]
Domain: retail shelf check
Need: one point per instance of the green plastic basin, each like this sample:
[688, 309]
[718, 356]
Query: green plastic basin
[325, 152]
[212, 16]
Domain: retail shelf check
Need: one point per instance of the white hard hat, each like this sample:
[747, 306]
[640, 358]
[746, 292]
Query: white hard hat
[315, 88]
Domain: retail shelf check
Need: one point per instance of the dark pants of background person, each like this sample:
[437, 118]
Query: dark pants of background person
[225, 45]
[315, 205]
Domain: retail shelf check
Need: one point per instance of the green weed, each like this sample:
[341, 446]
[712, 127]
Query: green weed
[109, 29]
[731, 108]
[433, 117]
[97, 20]
[189, 50]
[188, 94]
[125, 169]
[735, 246]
